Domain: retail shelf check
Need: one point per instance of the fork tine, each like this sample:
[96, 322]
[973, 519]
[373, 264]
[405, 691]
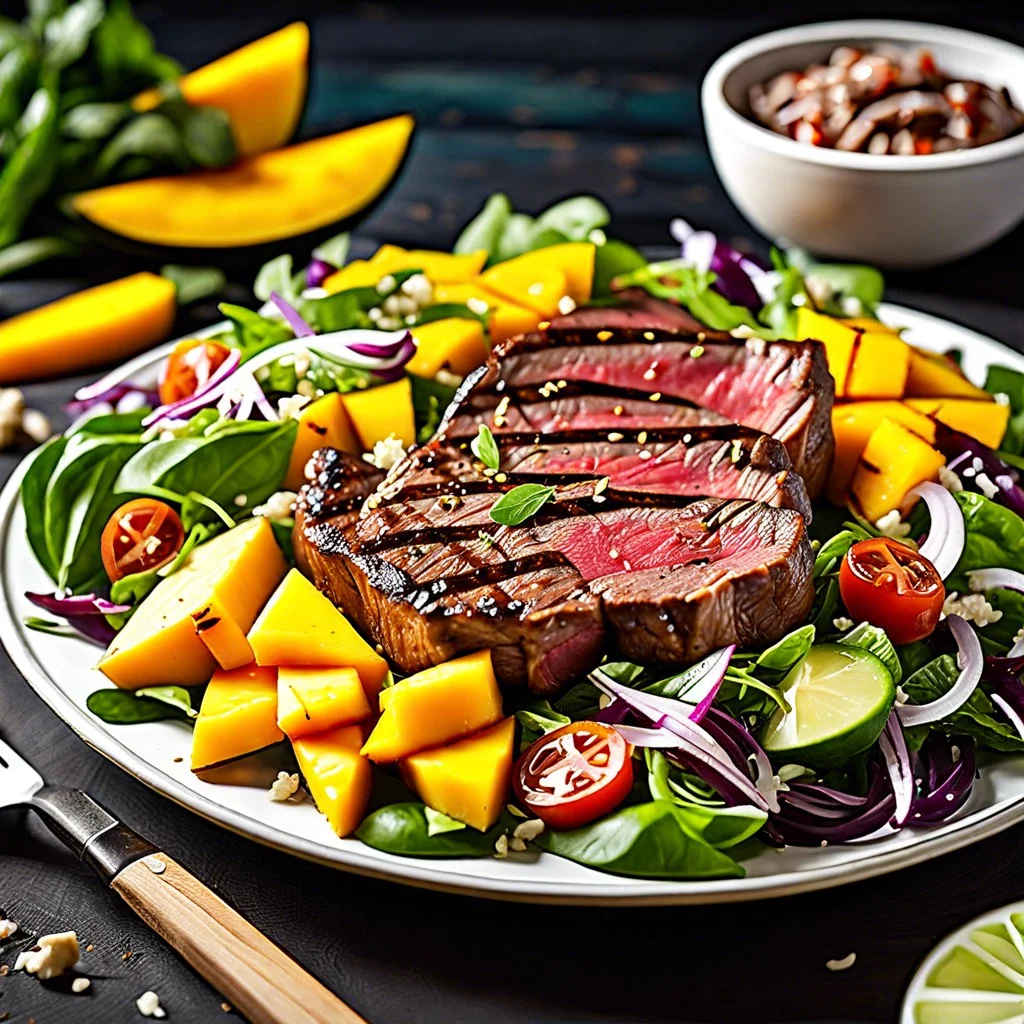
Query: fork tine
[19, 781]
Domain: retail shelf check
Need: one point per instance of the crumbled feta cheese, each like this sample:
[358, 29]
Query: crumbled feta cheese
[528, 830]
[284, 787]
[852, 306]
[240, 500]
[891, 525]
[566, 304]
[950, 480]
[477, 306]
[501, 847]
[842, 623]
[1019, 635]
[1001, 398]
[36, 426]
[386, 284]
[306, 390]
[12, 408]
[80, 985]
[419, 289]
[819, 288]
[51, 956]
[374, 313]
[7, 928]
[149, 1005]
[314, 293]
[386, 453]
[841, 965]
[743, 331]
[279, 505]
[517, 844]
[447, 378]
[985, 485]
[291, 406]
[972, 607]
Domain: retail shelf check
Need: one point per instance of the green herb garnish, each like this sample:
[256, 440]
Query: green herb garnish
[520, 503]
[485, 448]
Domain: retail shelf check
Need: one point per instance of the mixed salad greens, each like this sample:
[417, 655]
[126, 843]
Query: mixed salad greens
[869, 717]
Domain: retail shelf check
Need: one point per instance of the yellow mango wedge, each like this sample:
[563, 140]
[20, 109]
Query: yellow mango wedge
[838, 337]
[323, 423]
[357, 274]
[92, 327]
[377, 413]
[338, 776]
[574, 259]
[439, 267]
[853, 423]
[299, 626]
[504, 319]
[222, 635]
[468, 780]
[315, 699]
[161, 644]
[894, 461]
[451, 344]
[238, 716]
[261, 87]
[985, 420]
[881, 362]
[435, 706]
[932, 375]
[539, 288]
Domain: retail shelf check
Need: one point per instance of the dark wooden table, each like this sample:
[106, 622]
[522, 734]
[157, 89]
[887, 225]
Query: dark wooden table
[540, 107]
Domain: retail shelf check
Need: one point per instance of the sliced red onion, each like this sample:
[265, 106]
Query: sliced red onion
[996, 579]
[641, 736]
[83, 612]
[945, 543]
[734, 272]
[317, 272]
[292, 317]
[971, 662]
[209, 391]
[897, 764]
[122, 397]
[946, 772]
[1015, 719]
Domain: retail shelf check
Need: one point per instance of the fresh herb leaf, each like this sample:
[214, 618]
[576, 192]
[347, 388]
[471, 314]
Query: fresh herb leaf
[485, 448]
[575, 218]
[611, 260]
[785, 653]
[519, 504]
[127, 707]
[403, 829]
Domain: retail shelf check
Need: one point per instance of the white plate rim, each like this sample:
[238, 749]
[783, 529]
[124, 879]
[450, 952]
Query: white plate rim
[434, 875]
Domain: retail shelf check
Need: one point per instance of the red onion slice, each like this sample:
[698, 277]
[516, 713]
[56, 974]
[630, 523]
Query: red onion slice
[1007, 709]
[640, 736]
[897, 764]
[1000, 579]
[971, 662]
[945, 543]
[184, 407]
[292, 317]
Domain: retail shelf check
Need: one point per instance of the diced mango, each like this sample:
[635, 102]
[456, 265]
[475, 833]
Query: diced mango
[357, 274]
[869, 323]
[838, 338]
[299, 626]
[894, 461]
[159, 644]
[338, 776]
[322, 424]
[434, 707]
[853, 423]
[439, 267]
[536, 286]
[238, 716]
[933, 376]
[574, 259]
[223, 637]
[881, 360]
[377, 413]
[984, 420]
[469, 780]
[451, 344]
[504, 320]
[315, 699]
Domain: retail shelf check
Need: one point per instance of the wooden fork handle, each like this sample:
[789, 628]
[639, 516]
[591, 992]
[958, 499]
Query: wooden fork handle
[259, 980]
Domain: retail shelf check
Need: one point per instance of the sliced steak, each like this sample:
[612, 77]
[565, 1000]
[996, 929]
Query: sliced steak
[781, 388]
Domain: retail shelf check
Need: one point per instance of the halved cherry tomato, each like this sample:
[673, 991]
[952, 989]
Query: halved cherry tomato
[574, 774]
[142, 535]
[890, 585]
[189, 366]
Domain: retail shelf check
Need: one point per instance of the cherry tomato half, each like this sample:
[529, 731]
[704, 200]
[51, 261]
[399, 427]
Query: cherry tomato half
[574, 774]
[189, 366]
[890, 585]
[140, 536]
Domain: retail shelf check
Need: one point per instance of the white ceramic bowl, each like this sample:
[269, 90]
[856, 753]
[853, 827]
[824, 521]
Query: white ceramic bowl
[891, 211]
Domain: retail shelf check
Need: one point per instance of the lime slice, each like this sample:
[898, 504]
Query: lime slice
[976, 976]
[839, 700]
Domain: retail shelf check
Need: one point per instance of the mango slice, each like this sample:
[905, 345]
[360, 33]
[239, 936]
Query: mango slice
[838, 337]
[299, 626]
[894, 461]
[504, 319]
[539, 287]
[574, 259]
[261, 87]
[338, 776]
[439, 267]
[223, 637]
[881, 362]
[238, 716]
[99, 325]
[932, 375]
[357, 274]
[435, 706]
[853, 423]
[323, 423]
[984, 420]
[377, 413]
[160, 644]
[311, 700]
[451, 344]
[469, 780]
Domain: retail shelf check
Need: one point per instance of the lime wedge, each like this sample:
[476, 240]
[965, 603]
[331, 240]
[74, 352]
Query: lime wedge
[975, 977]
[839, 700]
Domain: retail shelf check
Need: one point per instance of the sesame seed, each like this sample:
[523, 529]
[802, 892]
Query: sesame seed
[697, 351]
[613, 554]
[644, 455]
[499, 421]
[701, 336]
[503, 406]
[649, 335]
[655, 396]
[618, 410]
[649, 374]
[501, 477]
[602, 485]
[543, 325]
[626, 565]
[641, 438]
[604, 335]
[615, 436]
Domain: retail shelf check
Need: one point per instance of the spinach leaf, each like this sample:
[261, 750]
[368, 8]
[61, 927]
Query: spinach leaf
[252, 333]
[67, 35]
[834, 550]
[152, 136]
[612, 260]
[205, 135]
[127, 707]
[575, 217]
[484, 231]
[123, 53]
[33, 500]
[846, 281]
[516, 506]
[538, 717]
[32, 251]
[625, 672]
[1005, 381]
[779, 313]
[173, 696]
[445, 311]
[994, 538]
[876, 641]
[578, 702]
[89, 121]
[785, 653]
[403, 829]
[826, 604]
[276, 275]
[334, 250]
[651, 840]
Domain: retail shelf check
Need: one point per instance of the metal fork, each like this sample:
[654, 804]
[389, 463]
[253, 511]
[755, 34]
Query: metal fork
[255, 976]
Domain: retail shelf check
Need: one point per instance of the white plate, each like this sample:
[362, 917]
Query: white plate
[157, 753]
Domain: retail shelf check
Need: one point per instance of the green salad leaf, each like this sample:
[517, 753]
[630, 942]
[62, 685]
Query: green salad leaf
[131, 707]
[1002, 380]
[404, 829]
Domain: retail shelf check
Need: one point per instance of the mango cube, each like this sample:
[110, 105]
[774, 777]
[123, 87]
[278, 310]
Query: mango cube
[160, 643]
[238, 716]
[985, 420]
[377, 413]
[536, 286]
[838, 337]
[311, 700]
[439, 267]
[469, 780]
[357, 274]
[504, 319]
[338, 776]
[323, 423]
[881, 362]
[932, 375]
[223, 637]
[435, 706]
[453, 344]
